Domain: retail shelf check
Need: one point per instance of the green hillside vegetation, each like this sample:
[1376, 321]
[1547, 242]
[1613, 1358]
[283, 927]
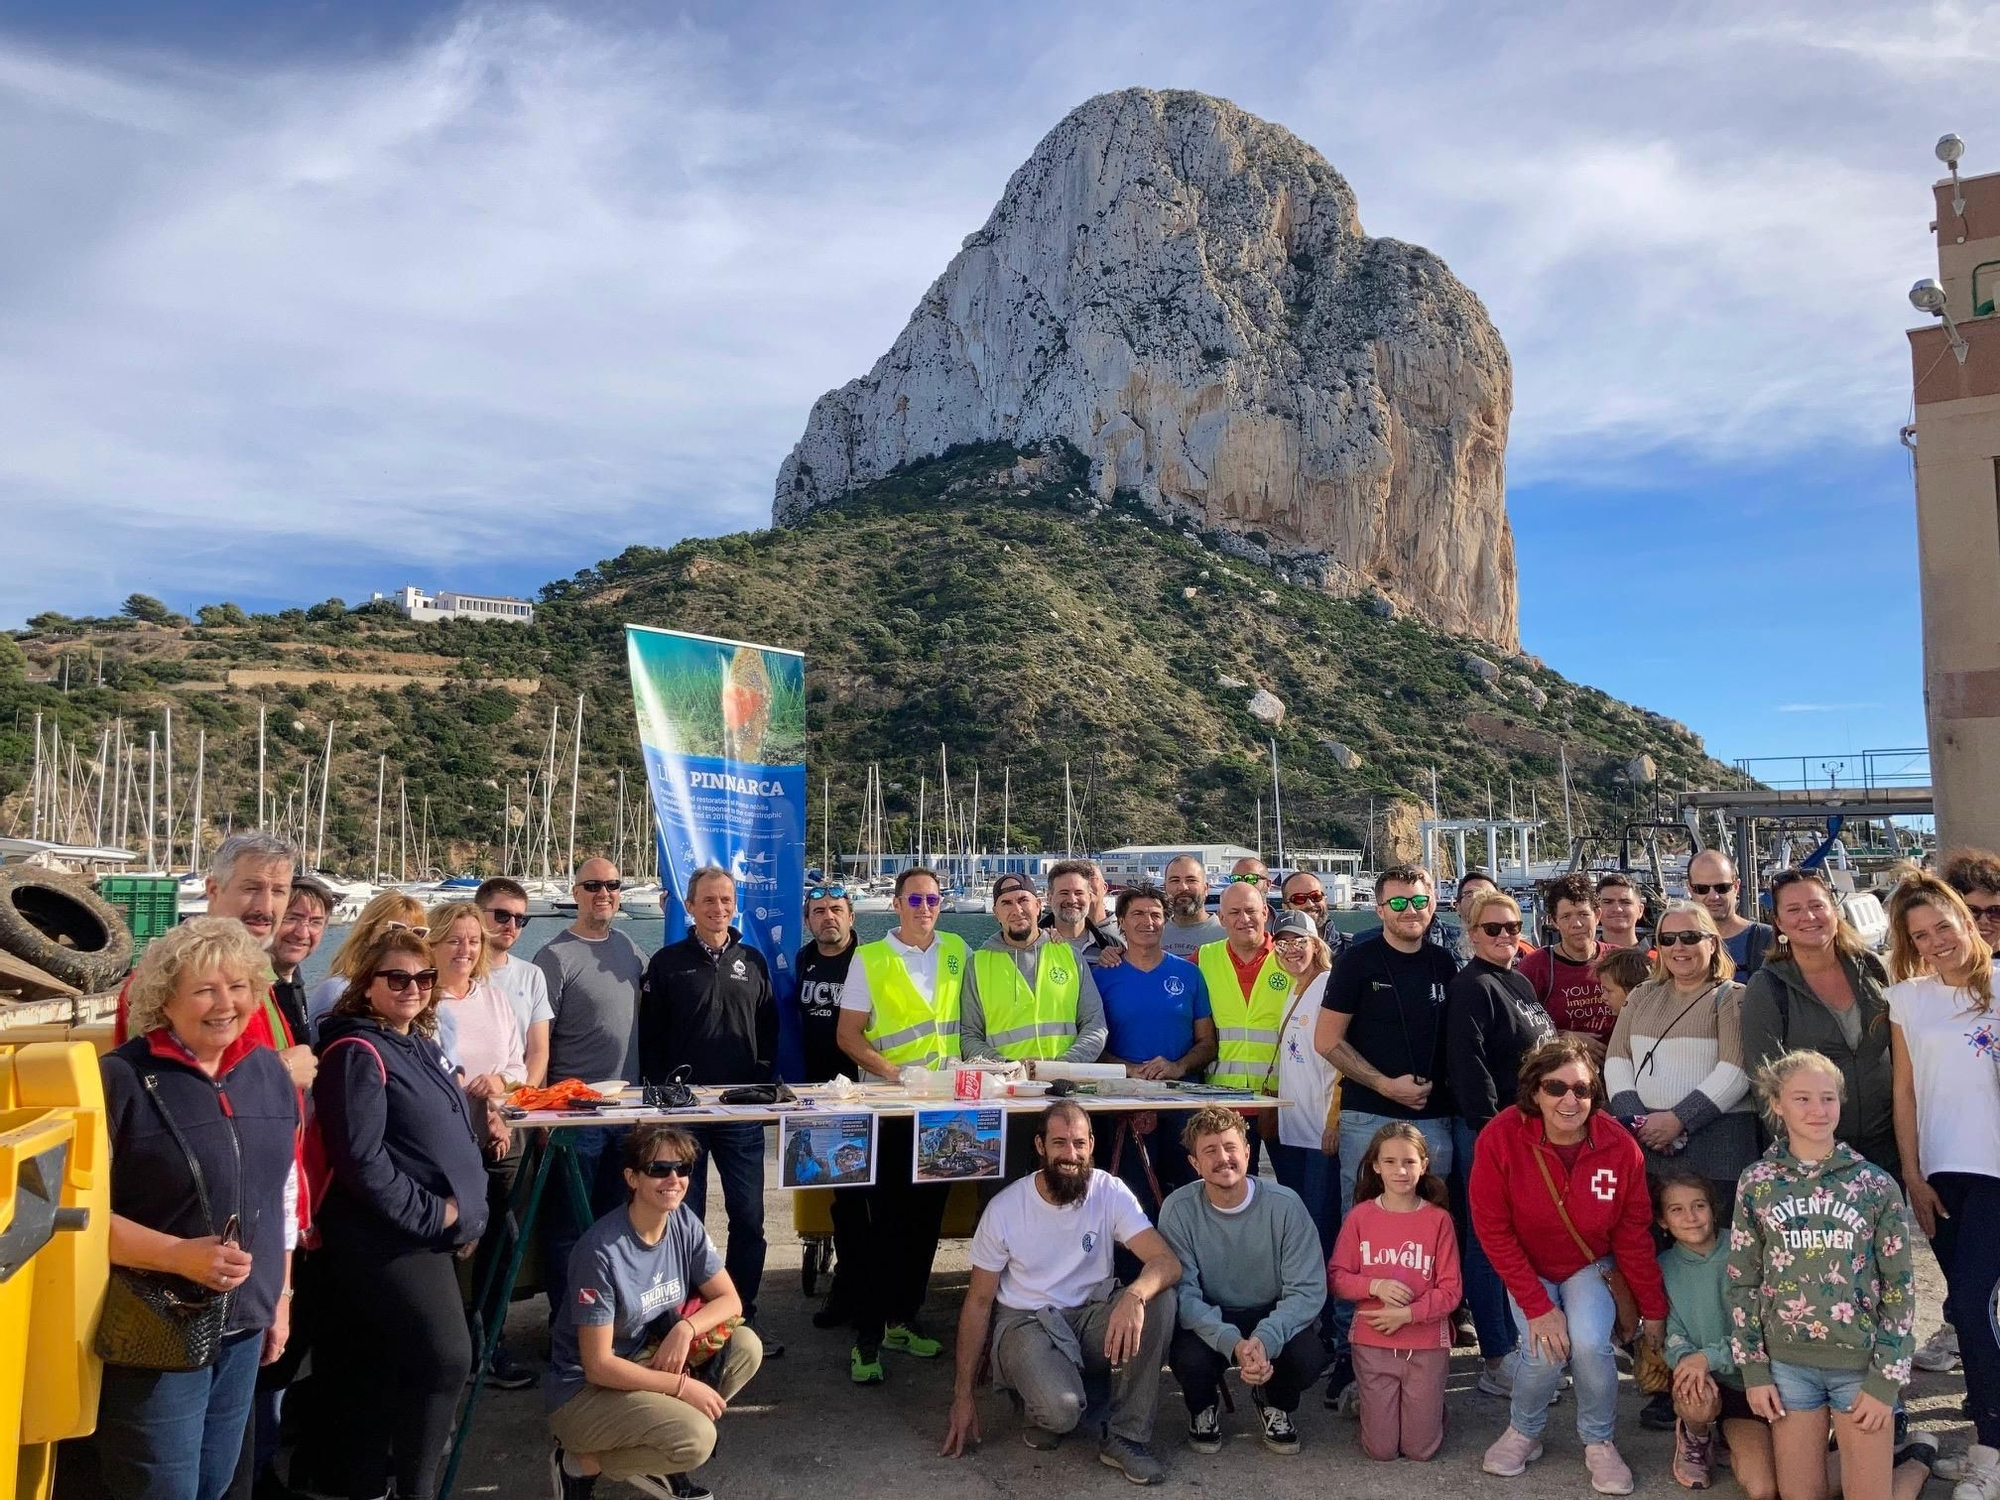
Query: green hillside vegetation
[981, 600]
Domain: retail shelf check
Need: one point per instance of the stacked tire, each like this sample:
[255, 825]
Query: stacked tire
[63, 927]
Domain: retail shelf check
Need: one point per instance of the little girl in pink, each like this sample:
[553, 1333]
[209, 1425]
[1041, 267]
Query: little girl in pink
[1396, 1260]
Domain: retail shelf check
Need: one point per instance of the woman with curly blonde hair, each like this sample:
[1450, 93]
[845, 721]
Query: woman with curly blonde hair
[202, 1121]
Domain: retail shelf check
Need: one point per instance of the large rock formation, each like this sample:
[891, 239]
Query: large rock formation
[1184, 292]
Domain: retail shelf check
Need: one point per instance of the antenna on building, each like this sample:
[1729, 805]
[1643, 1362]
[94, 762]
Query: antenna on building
[1949, 149]
[1927, 296]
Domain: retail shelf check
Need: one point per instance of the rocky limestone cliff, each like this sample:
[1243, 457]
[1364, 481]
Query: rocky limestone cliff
[1184, 292]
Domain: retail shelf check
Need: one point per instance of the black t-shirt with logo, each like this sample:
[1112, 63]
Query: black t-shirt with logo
[712, 1011]
[821, 979]
[1396, 1000]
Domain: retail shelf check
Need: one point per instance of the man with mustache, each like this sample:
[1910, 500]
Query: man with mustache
[1042, 1282]
[1189, 926]
[1028, 997]
[1072, 908]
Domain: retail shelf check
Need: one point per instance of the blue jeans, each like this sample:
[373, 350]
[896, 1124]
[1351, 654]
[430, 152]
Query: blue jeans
[1591, 1313]
[177, 1435]
[600, 1151]
[1315, 1177]
[1803, 1388]
[1485, 1293]
[738, 1152]
[1357, 1130]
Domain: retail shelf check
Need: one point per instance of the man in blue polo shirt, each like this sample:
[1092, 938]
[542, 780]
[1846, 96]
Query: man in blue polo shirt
[1156, 1007]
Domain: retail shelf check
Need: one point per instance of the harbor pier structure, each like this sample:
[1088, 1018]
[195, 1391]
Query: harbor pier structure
[1955, 440]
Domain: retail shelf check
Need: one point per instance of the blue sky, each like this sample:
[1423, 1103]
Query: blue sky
[299, 300]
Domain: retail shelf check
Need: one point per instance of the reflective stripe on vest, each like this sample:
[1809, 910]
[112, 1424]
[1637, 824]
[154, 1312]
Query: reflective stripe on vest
[906, 1031]
[1024, 1023]
[1246, 1031]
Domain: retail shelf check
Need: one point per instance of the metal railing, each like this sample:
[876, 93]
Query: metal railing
[1860, 770]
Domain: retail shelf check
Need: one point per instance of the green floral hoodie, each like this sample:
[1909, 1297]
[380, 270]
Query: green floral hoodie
[1819, 1270]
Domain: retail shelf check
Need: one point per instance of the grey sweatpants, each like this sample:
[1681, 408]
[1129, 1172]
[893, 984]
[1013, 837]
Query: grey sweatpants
[1028, 1360]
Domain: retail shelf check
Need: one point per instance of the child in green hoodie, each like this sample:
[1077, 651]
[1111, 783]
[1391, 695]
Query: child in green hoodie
[1820, 1292]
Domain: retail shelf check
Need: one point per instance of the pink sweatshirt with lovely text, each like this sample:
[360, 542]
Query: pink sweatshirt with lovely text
[1418, 1249]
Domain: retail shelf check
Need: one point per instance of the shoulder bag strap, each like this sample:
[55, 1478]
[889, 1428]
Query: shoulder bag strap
[152, 1082]
[1562, 1209]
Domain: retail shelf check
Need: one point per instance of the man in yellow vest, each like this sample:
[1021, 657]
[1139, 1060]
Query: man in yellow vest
[902, 1006]
[1247, 991]
[1030, 999]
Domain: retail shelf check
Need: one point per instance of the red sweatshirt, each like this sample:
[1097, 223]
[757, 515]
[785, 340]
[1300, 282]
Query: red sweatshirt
[1605, 1192]
[1418, 1249]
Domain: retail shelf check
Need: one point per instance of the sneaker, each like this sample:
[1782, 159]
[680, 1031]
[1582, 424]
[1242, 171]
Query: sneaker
[1939, 1352]
[1497, 1379]
[1978, 1474]
[832, 1317]
[1280, 1436]
[1511, 1454]
[1205, 1430]
[774, 1347]
[1040, 1438]
[506, 1373]
[1657, 1415]
[670, 1487]
[564, 1485]
[1608, 1473]
[864, 1367]
[1132, 1460]
[1694, 1457]
[1341, 1392]
[905, 1338]
[1920, 1447]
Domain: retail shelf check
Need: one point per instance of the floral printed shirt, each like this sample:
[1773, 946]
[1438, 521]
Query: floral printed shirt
[1819, 1270]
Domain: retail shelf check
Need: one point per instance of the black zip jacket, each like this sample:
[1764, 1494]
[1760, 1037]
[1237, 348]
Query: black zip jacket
[1492, 1019]
[716, 1015]
[242, 1127]
[400, 1140]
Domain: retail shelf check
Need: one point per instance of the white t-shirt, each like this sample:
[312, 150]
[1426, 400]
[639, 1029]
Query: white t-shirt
[526, 989]
[489, 1040]
[1049, 1256]
[1955, 1064]
[1305, 1079]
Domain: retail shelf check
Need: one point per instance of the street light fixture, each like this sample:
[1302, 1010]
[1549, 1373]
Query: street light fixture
[1928, 297]
[1949, 149]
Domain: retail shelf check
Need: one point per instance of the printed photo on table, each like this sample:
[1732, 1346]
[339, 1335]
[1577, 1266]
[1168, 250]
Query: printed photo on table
[826, 1151]
[959, 1145]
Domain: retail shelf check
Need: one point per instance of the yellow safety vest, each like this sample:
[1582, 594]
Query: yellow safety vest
[1027, 1023]
[1246, 1031]
[901, 1026]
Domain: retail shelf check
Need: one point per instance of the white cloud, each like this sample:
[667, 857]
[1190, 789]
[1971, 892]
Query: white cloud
[533, 284]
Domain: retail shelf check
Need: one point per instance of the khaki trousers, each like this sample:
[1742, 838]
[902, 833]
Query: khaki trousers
[643, 1432]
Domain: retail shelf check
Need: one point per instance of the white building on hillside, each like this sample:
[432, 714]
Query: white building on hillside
[450, 604]
[1131, 863]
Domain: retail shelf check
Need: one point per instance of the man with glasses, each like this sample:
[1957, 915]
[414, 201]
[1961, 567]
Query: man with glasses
[901, 1007]
[593, 973]
[1381, 1025]
[1561, 973]
[1252, 869]
[1304, 891]
[1029, 998]
[503, 904]
[707, 1006]
[1189, 927]
[1712, 881]
[1975, 875]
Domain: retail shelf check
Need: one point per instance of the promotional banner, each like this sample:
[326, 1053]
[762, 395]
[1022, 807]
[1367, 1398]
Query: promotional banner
[723, 728]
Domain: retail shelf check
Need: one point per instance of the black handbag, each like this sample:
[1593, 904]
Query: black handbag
[155, 1320]
[759, 1093]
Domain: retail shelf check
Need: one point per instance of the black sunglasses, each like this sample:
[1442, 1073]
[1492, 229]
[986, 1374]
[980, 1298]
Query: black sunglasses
[1720, 888]
[1982, 913]
[1555, 1088]
[1686, 939]
[399, 980]
[1407, 903]
[1501, 929]
[827, 893]
[501, 918]
[661, 1169]
[594, 886]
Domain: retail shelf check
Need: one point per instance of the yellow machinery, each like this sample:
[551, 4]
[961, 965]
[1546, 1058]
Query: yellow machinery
[55, 1226]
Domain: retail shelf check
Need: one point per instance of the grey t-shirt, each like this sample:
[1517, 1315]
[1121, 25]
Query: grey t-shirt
[594, 993]
[617, 1278]
[1186, 942]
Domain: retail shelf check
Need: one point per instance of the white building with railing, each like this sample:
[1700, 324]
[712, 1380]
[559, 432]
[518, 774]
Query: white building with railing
[451, 604]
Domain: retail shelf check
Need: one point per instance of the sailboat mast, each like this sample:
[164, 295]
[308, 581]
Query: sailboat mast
[194, 829]
[168, 865]
[262, 820]
[1006, 809]
[381, 773]
[1277, 804]
[325, 781]
[575, 776]
[152, 794]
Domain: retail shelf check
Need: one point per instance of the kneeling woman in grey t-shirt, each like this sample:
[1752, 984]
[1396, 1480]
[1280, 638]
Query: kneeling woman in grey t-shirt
[649, 1344]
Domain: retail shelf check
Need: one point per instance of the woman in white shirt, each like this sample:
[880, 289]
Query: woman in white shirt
[1302, 1156]
[1944, 1048]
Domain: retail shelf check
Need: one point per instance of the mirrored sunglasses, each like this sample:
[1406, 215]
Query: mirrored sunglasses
[1407, 903]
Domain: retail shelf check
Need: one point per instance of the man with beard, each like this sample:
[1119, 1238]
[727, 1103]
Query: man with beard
[1189, 926]
[1304, 891]
[250, 879]
[1712, 881]
[821, 966]
[1253, 1281]
[1100, 898]
[1072, 898]
[1027, 997]
[1042, 1282]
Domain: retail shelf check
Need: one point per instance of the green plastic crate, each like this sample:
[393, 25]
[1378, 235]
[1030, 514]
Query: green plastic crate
[150, 904]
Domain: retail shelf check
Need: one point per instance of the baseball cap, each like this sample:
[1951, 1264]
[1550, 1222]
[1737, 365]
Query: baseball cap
[1007, 884]
[1287, 922]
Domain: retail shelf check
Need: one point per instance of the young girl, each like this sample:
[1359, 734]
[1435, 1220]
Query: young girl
[1397, 1260]
[1821, 1296]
